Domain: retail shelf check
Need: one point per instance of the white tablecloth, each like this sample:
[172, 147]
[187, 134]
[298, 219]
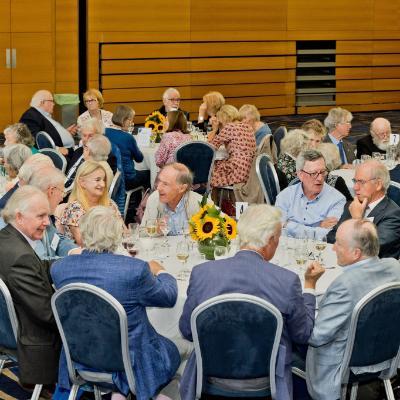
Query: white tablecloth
[149, 162]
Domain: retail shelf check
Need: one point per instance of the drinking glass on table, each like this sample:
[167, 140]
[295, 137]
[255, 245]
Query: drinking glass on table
[320, 245]
[182, 254]
[163, 225]
[365, 157]
[376, 155]
[151, 227]
[130, 244]
[301, 255]
[134, 230]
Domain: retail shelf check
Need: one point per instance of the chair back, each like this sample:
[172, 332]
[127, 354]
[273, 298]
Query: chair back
[88, 317]
[393, 192]
[236, 336]
[374, 334]
[199, 157]
[44, 141]
[268, 178]
[58, 159]
[115, 185]
[8, 319]
[279, 134]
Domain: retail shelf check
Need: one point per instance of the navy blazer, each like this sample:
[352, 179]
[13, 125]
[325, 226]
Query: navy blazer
[247, 272]
[155, 359]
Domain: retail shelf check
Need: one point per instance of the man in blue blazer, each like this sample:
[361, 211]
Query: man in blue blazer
[250, 272]
[356, 247]
[136, 284]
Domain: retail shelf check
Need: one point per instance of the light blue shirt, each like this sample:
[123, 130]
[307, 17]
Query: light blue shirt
[178, 218]
[303, 216]
[336, 143]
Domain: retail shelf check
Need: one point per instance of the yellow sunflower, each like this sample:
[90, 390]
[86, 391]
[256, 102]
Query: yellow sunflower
[193, 233]
[230, 228]
[150, 124]
[159, 128]
[207, 228]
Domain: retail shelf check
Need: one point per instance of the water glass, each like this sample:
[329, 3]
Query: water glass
[365, 157]
[151, 227]
[376, 155]
[220, 252]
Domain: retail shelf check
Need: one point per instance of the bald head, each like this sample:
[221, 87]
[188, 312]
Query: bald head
[43, 99]
[380, 131]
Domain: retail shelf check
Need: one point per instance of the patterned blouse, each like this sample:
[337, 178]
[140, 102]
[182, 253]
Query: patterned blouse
[287, 165]
[169, 142]
[106, 117]
[72, 214]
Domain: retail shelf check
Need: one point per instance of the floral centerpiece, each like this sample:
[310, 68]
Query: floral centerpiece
[155, 121]
[210, 227]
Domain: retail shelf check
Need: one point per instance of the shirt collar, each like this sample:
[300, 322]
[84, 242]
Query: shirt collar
[317, 197]
[46, 114]
[180, 206]
[372, 205]
[333, 139]
[32, 243]
[360, 263]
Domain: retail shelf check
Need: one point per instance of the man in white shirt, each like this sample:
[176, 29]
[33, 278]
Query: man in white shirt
[371, 181]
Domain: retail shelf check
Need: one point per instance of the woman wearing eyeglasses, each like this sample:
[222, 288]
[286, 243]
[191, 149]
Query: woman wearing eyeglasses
[94, 101]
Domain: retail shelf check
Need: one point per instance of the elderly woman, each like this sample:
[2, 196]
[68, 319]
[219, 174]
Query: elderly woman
[338, 123]
[332, 162]
[119, 136]
[14, 156]
[19, 134]
[89, 190]
[250, 115]
[212, 102]
[136, 284]
[316, 132]
[94, 101]
[294, 142]
[240, 143]
[176, 133]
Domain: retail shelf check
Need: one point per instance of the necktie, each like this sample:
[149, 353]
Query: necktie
[341, 152]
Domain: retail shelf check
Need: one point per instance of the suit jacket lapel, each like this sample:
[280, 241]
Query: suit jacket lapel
[379, 211]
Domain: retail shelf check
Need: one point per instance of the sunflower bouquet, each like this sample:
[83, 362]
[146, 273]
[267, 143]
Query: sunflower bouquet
[210, 227]
[155, 121]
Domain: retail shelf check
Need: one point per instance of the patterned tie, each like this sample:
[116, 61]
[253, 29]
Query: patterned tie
[341, 152]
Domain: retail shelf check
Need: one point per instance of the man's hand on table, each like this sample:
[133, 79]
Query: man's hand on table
[313, 273]
[155, 267]
[328, 222]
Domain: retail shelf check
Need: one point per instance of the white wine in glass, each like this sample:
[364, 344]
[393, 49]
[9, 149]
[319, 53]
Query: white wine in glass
[151, 227]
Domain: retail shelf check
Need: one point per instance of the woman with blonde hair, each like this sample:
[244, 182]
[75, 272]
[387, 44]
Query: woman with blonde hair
[89, 190]
[212, 102]
[316, 132]
[240, 143]
[250, 115]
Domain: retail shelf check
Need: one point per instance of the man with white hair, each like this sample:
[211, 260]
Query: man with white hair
[251, 272]
[39, 118]
[27, 278]
[377, 141]
[371, 181]
[171, 99]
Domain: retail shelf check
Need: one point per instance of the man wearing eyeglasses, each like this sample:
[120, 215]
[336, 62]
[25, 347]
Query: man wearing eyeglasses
[371, 181]
[39, 118]
[311, 207]
[171, 100]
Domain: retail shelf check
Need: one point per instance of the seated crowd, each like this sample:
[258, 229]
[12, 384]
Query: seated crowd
[60, 227]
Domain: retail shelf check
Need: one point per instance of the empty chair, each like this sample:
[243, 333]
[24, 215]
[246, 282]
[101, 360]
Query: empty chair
[44, 141]
[236, 336]
[8, 332]
[199, 157]
[86, 314]
[393, 192]
[117, 191]
[278, 135]
[58, 159]
[268, 178]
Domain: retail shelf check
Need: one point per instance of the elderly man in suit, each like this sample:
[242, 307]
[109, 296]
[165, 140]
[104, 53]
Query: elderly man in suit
[377, 141]
[357, 248]
[250, 272]
[39, 118]
[27, 278]
[371, 181]
[338, 123]
[136, 284]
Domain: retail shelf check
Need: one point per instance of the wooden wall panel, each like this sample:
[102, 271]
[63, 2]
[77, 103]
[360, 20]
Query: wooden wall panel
[5, 106]
[66, 15]
[67, 56]
[40, 17]
[5, 22]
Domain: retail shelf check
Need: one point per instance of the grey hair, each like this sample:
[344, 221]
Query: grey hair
[46, 177]
[169, 91]
[33, 163]
[38, 97]
[378, 171]
[336, 116]
[308, 155]
[331, 155]
[99, 148]
[258, 224]
[93, 124]
[21, 201]
[295, 141]
[101, 230]
[364, 236]
[16, 155]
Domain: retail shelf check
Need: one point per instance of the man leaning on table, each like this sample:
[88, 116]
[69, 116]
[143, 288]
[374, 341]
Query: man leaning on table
[310, 207]
[371, 180]
[250, 272]
[356, 247]
[173, 198]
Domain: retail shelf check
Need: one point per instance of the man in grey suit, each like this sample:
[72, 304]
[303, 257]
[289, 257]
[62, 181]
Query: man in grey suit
[357, 248]
[371, 181]
[250, 272]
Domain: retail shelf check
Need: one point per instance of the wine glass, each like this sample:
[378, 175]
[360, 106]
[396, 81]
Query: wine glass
[182, 254]
[301, 255]
[163, 225]
[320, 245]
[220, 252]
[151, 227]
[130, 244]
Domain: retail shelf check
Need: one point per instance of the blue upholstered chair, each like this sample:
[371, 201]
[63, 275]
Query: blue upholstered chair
[278, 135]
[393, 192]
[373, 340]
[8, 332]
[44, 141]
[87, 315]
[268, 178]
[199, 157]
[235, 336]
[58, 159]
